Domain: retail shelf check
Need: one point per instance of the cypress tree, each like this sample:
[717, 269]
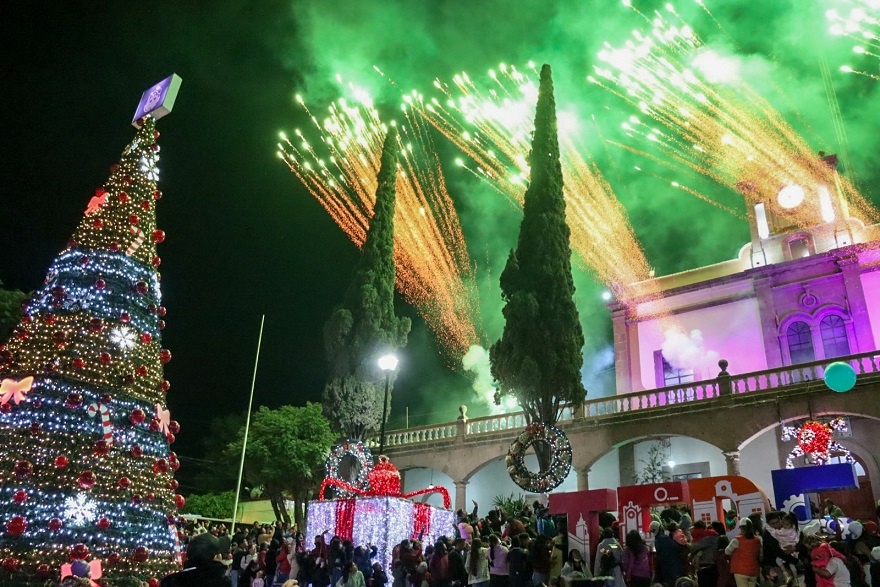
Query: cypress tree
[538, 357]
[365, 326]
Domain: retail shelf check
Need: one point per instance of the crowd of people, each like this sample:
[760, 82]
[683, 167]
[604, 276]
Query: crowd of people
[531, 550]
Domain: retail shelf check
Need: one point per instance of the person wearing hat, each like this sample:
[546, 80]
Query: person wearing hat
[745, 555]
[203, 567]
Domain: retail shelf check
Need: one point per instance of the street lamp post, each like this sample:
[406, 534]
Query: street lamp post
[387, 363]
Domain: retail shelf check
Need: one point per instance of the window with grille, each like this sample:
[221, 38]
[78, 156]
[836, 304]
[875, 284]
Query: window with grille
[834, 339]
[800, 343]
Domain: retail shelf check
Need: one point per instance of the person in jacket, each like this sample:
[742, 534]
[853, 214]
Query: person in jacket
[636, 562]
[477, 564]
[203, 567]
[499, 576]
[671, 556]
[745, 555]
[518, 566]
[609, 557]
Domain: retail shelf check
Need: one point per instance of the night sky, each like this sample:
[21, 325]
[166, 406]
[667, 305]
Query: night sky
[246, 239]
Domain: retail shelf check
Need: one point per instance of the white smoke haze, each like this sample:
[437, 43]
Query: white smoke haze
[476, 361]
[685, 350]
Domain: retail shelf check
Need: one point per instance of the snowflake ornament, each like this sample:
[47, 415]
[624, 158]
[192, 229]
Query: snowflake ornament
[80, 510]
[148, 166]
[123, 337]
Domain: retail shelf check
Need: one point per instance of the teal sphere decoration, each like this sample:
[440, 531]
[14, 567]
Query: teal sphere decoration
[840, 377]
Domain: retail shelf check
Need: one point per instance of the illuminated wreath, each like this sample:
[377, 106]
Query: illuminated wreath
[360, 452]
[560, 458]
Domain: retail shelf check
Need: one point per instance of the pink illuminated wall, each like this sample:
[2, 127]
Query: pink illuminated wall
[871, 287]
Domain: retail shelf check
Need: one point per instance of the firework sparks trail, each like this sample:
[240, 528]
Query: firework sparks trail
[715, 124]
[859, 21]
[493, 127]
[434, 271]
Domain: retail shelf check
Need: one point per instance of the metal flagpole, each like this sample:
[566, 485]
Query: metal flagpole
[247, 427]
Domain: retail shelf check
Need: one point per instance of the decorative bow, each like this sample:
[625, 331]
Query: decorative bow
[12, 390]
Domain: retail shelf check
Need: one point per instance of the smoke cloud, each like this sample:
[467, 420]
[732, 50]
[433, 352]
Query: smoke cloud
[685, 350]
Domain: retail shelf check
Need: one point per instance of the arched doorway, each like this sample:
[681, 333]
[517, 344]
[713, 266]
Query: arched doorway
[855, 503]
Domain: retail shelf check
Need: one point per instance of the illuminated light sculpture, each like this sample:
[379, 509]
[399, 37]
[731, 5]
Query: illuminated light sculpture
[380, 515]
[560, 458]
[357, 450]
[815, 439]
[87, 352]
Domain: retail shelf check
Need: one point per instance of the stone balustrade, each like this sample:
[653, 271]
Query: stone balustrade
[806, 377]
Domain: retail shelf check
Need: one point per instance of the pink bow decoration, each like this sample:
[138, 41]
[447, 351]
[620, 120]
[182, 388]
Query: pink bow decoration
[11, 390]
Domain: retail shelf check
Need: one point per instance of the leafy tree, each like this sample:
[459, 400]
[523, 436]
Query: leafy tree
[210, 505]
[286, 451]
[656, 466]
[10, 310]
[365, 326]
[215, 473]
[512, 505]
[538, 358]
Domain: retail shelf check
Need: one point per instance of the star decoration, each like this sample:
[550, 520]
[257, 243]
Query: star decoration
[80, 510]
[164, 417]
[98, 200]
[11, 390]
[123, 337]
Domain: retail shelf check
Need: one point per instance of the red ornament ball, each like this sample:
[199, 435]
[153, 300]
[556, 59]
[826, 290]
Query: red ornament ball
[105, 358]
[160, 466]
[74, 400]
[146, 338]
[79, 551]
[151, 308]
[125, 317]
[137, 416]
[96, 325]
[43, 571]
[123, 197]
[10, 564]
[156, 261]
[103, 523]
[61, 462]
[55, 524]
[60, 339]
[165, 356]
[78, 363]
[5, 408]
[155, 424]
[162, 311]
[136, 498]
[171, 438]
[133, 219]
[137, 451]
[23, 469]
[172, 485]
[97, 224]
[140, 554]
[128, 379]
[141, 371]
[126, 179]
[114, 247]
[158, 236]
[161, 324]
[166, 385]
[154, 147]
[153, 582]
[100, 284]
[58, 292]
[179, 501]
[87, 479]
[84, 260]
[151, 496]
[157, 195]
[174, 427]
[49, 319]
[113, 558]
[114, 168]
[123, 483]
[145, 205]
[106, 398]
[16, 526]
[20, 496]
[101, 448]
[141, 288]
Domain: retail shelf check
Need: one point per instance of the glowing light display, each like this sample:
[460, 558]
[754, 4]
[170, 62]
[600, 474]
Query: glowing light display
[714, 124]
[434, 271]
[78, 462]
[858, 21]
[815, 440]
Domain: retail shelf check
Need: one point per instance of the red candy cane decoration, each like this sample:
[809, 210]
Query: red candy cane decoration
[94, 409]
[137, 242]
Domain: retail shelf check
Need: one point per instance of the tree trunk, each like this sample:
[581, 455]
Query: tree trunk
[544, 454]
[277, 500]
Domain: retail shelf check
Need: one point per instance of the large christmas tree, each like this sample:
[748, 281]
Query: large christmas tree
[86, 471]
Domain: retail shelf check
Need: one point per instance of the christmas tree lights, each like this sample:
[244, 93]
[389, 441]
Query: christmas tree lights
[86, 470]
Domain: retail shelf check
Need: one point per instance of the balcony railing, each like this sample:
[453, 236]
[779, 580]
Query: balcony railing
[807, 376]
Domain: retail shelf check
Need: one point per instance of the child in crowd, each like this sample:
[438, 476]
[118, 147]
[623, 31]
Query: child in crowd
[259, 580]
